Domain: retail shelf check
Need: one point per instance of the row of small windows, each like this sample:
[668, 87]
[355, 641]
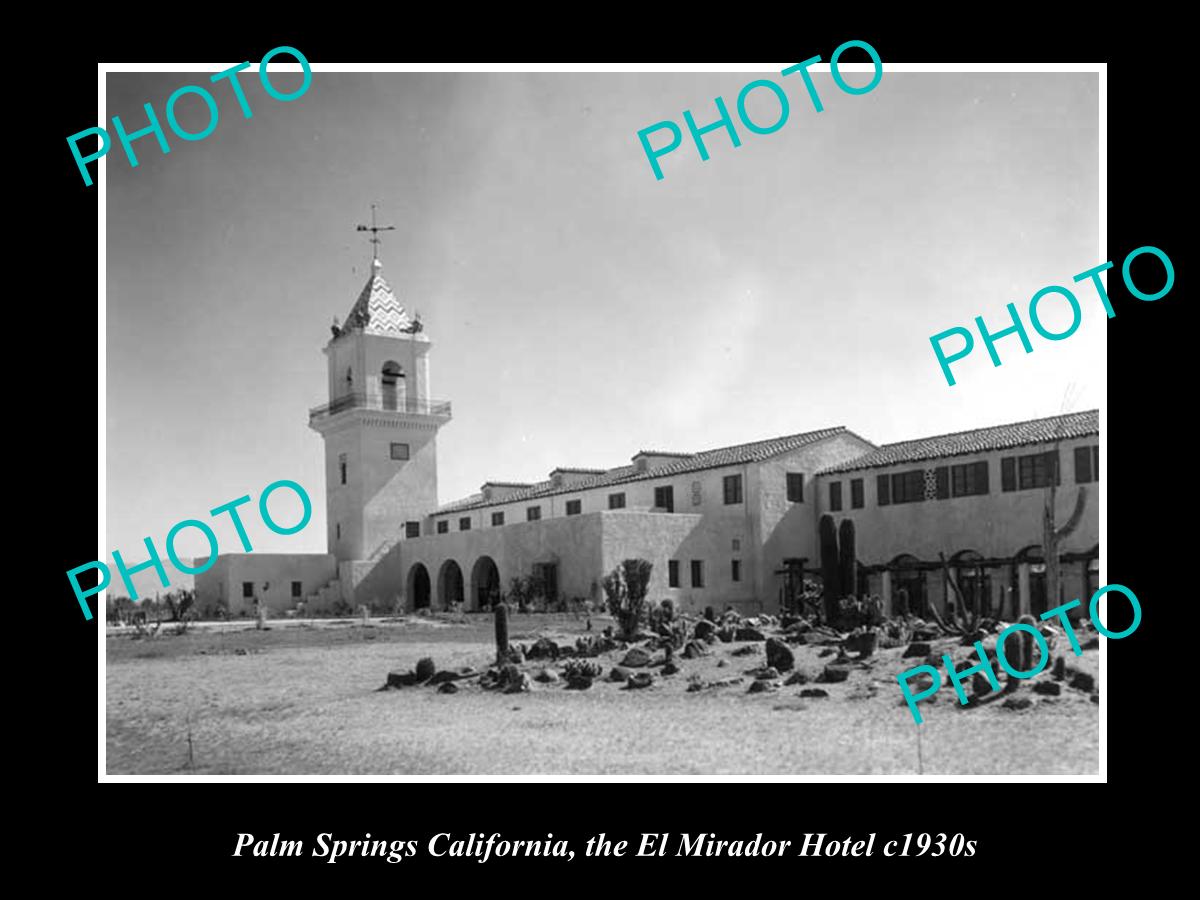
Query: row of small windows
[248, 589]
[1017, 473]
[697, 572]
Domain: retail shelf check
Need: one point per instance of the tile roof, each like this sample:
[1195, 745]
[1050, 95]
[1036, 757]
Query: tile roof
[383, 312]
[979, 440]
[738, 454]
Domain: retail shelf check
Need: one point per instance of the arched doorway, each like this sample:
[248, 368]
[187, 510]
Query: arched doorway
[1037, 577]
[973, 580]
[910, 580]
[450, 584]
[392, 384]
[485, 583]
[418, 587]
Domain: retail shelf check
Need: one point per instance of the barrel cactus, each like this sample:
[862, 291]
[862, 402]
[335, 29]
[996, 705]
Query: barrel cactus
[426, 669]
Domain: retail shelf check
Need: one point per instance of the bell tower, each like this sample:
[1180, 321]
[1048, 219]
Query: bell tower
[380, 424]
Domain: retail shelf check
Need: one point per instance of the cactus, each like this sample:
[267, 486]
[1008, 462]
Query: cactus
[830, 575]
[710, 614]
[582, 668]
[426, 669]
[501, 632]
[847, 558]
[1025, 645]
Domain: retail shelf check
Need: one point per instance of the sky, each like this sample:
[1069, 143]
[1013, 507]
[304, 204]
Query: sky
[580, 309]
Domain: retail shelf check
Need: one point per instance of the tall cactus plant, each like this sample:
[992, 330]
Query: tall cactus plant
[830, 573]
[501, 613]
[848, 559]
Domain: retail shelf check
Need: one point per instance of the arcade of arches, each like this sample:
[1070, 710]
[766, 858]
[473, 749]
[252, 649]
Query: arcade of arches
[452, 586]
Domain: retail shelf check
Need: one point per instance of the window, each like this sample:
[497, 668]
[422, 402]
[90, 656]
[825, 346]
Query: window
[1084, 470]
[247, 588]
[733, 489]
[1036, 470]
[883, 494]
[735, 570]
[1008, 473]
[697, 573]
[969, 479]
[908, 487]
[672, 573]
[342, 467]
[795, 487]
[412, 529]
[835, 496]
[616, 501]
[856, 493]
[664, 498]
[297, 589]
[443, 527]
[533, 513]
[339, 530]
[464, 524]
[574, 507]
[737, 544]
[497, 519]
[399, 451]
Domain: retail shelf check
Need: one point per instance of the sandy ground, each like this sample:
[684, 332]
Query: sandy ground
[304, 700]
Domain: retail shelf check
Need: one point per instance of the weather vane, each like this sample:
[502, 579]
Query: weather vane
[374, 238]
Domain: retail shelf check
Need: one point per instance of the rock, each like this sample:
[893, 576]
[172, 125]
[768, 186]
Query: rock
[401, 679]
[694, 650]
[762, 687]
[636, 658]
[746, 633]
[619, 674]
[543, 648]
[828, 651]
[1049, 688]
[639, 680]
[767, 673]
[814, 692]
[722, 663]
[980, 684]
[426, 669]
[1018, 703]
[448, 687]
[694, 686]
[780, 655]
[797, 677]
[1082, 681]
[864, 643]
[917, 648]
[445, 675]
[925, 633]
[579, 683]
[670, 669]
[704, 630]
[1060, 668]
[834, 674]
[546, 676]
[519, 684]
[748, 650]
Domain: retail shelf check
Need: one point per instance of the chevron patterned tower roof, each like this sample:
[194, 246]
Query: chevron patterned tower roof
[378, 310]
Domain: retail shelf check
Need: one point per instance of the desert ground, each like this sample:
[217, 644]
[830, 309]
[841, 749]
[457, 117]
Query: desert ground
[306, 698]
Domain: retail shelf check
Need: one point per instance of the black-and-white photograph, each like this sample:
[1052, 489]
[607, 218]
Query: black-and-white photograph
[606, 423]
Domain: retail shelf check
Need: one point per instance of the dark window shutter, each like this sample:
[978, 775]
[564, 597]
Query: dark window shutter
[981, 470]
[1008, 473]
[882, 487]
[1096, 461]
[1083, 465]
[942, 474]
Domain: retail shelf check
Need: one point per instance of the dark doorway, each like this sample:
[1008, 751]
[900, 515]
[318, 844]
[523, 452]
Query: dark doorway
[419, 587]
[450, 584]
[485, 583]
[908, 587]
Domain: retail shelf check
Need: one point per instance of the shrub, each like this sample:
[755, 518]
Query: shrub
[625, 593]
